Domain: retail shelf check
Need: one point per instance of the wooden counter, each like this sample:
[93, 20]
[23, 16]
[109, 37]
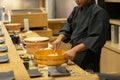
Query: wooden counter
[15, 62]
[20, 72]
[110, 56]
[113, 46]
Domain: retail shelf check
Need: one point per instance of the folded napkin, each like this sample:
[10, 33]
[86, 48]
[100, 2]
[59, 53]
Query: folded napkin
[2, 41]
[3, 48]
[58, 71]
[33, 73]
[7, 75]
[4, 59]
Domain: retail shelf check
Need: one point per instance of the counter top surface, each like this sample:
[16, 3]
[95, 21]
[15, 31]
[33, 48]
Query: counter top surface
[15, 63]
[20, 73]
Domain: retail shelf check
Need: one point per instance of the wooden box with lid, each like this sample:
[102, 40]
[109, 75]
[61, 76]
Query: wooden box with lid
[36, 43]
[37, 17]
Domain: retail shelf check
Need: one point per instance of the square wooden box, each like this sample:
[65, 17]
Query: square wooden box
[37, 17]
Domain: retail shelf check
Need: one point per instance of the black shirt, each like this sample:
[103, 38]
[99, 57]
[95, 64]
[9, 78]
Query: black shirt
[88, 25]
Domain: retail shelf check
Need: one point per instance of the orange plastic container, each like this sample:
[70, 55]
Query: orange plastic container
[49, 57]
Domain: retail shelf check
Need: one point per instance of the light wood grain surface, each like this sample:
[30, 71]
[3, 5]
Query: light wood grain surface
[112, 0]
[115, 21]
[15, 62]
[110, 56]
[20, 72]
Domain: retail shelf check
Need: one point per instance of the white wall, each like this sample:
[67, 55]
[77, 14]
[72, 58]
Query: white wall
[17, 4]
[64, 8]
[50, 5]
[59, 8]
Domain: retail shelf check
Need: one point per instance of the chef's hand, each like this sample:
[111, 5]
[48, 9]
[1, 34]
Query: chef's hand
[70, 54]
[56, 44]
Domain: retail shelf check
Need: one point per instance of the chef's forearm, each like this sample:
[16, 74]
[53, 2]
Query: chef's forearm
[80, 47]
[61, 37]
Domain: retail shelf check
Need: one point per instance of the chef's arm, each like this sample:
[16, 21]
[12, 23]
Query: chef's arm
[61, 37]
[57, 42]
[80, 47]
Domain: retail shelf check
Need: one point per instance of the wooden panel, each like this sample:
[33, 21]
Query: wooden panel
[44, 33]
[110, 61]
[55, 27]
[115, 21]
[112, 0]
[113, 46]
[42, 3]
[56, 24]
[59, 20]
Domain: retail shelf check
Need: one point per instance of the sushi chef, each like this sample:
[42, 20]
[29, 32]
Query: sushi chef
[87, 30]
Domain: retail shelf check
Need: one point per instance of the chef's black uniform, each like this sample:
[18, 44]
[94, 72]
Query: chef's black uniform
[88, 25]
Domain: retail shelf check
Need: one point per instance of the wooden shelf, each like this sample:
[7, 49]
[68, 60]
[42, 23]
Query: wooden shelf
[112, 1]
[115, 21]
